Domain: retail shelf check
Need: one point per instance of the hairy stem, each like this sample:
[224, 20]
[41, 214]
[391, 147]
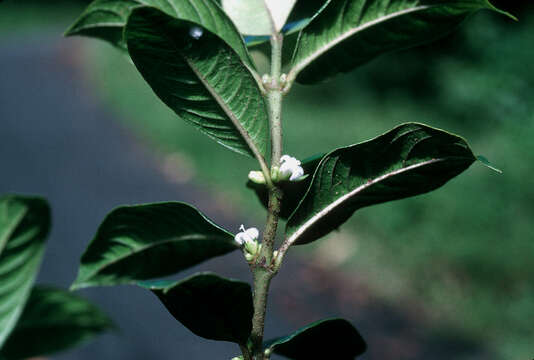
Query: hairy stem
[263, 268]
[275, 99]
[245, 352]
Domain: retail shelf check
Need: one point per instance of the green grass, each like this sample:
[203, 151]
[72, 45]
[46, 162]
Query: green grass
[465, 251]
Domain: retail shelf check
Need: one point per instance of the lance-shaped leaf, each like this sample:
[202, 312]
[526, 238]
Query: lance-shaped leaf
[149, 241]
[210, 306]
[201, 78]
[325, 339]
[24, 225]
[349, 33]
[293, 190]
[53, 320]
[409, 160]
[106, 19]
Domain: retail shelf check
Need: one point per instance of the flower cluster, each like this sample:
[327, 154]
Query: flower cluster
[289, 169]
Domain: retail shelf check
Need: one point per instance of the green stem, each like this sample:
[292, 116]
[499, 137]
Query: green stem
[263, 268]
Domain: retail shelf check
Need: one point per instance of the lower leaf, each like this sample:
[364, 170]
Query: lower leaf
[53, 320]
[210, 306]
[325, 339]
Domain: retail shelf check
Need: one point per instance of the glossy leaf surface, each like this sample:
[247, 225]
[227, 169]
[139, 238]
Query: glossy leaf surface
[293, 191]
[409, 160]
[349, 33]
[53, 320]
[201, 78]
[210, 306]
[24, 225]
[325, 339]
[106, 19]
[149, 241]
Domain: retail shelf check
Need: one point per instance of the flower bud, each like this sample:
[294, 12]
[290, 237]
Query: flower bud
[256, 177]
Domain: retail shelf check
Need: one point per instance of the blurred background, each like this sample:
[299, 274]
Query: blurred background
[444, 275]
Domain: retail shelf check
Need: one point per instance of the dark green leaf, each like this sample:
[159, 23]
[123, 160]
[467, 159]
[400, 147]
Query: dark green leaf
[106, 19]
[203, 80]
[349, 33]
[293, 191]
[150, 241]
[325, 339]
[53, 320]
[409, 160]
[210, 306]
[24, 225]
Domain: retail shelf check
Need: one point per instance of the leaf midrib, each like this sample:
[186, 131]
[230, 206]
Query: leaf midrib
[12, 228]
[323, 49]
[360, 188]
[233, 118]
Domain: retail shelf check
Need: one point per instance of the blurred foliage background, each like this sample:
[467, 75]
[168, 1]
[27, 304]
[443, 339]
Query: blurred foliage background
[465, 251]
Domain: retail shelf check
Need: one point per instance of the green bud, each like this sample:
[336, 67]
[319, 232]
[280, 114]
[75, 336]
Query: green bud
[251, 247]
[275, 173]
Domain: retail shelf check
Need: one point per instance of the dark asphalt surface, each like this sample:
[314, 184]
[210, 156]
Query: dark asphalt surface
[57, 141]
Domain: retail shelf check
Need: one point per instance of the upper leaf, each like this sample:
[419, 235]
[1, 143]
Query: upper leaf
[349, 33]
[53, 320]
[251, 17]
[210, 306]
[201, 78]
[150, 241]
[258, 17]
[325, 339]
[409, 160]
[24, 225]
[106, 19]
[293, 190]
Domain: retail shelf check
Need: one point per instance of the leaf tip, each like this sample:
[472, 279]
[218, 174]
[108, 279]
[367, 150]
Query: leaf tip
[487, 163]
[502, 12]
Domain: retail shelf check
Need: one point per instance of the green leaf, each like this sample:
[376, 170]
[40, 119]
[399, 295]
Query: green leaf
[293, 191]
[210, 306]
[409, 160]
[348, 33]
[106, 19]
[203, 80]
[24, 225]
[325, 339]
[149, 241]
[53, 320]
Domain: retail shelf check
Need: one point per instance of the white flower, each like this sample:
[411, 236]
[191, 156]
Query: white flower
[290, 168]
[247, 236]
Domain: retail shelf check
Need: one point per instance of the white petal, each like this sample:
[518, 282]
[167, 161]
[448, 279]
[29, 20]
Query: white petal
[240, 238]
[253, 233]
[297, 173]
